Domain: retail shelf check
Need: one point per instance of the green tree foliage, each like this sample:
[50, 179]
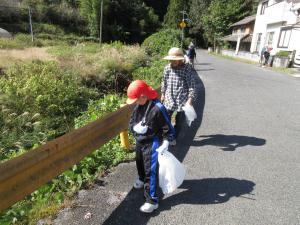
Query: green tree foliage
[90, 9]
[173, 15]
[159, 43]
[196, 12]
[221, 14]
[129, 21]
[160, 7]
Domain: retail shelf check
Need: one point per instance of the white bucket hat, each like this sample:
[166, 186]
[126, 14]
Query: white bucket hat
[174, 54]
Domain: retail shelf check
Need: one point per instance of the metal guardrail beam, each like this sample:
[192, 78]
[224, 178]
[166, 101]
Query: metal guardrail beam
[24, 174]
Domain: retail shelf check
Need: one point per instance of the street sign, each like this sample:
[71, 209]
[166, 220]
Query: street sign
[182, 24]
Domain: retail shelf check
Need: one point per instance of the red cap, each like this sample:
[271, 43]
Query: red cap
[139, 88]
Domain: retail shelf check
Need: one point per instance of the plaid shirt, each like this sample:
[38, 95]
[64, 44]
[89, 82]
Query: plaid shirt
[177, 86]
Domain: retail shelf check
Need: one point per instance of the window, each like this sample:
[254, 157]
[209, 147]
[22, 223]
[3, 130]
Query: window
[258, 42]
[243, 29]
[264, 5]
[270, 36]
[284, 38]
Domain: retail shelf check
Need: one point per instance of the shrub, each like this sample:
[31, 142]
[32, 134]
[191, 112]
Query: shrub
[107, 67]
[159, 43]
[48, 29]
[40, 203]
[151, 74]
[41, 87]
[283, 53]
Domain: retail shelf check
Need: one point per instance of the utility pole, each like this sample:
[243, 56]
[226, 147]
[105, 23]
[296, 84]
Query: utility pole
[101, 18]
[30, 22]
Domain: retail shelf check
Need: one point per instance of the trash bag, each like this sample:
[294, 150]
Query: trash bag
[171, 172]
[190, 113]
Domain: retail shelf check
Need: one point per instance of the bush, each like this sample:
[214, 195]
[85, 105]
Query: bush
[107, 67]
[48, 29]
[159, 43]
[283, 53]
[40, 87]
[151, 74]
[41, 202]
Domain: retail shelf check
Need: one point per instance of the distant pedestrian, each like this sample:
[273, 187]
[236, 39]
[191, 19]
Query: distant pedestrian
[261, 56]
[152, 129]
[178, 86]
[191, 53]
[267, 56]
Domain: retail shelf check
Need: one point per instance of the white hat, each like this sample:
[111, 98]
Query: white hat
[175, 54]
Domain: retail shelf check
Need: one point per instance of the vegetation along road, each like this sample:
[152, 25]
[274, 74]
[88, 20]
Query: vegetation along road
[241, 155]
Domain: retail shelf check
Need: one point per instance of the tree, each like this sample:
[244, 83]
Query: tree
[160, 7]
[221, 14]
[173, 15]
[90, 10]
[196, 12]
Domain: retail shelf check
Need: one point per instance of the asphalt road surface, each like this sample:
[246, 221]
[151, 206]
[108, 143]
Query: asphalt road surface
[242, 157]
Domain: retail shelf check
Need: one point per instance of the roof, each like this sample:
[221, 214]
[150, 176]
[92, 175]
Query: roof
[4, 33]
[244, 21]
[234, 37]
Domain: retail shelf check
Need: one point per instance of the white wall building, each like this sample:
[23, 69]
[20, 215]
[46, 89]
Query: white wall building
[277, 25]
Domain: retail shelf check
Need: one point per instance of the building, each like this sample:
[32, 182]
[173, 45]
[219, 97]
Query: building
[242, 32]
[277, 25]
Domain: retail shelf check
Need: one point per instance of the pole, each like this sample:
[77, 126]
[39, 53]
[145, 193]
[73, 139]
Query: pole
[182, 30]
[30, 22]
[101, 17]
[124, 137]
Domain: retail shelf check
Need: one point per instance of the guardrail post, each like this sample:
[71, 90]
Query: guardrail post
[124, 137]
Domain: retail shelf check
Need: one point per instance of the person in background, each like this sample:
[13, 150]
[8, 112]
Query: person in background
[261, 56]
[178, 87]
[191, 53]
[267, 56]
[152, 129]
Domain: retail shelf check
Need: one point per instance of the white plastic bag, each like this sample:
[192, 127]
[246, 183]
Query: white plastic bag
[171, 172]
[190, 113]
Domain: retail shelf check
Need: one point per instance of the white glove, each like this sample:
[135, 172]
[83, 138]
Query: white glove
[140, 129]
[164, 147]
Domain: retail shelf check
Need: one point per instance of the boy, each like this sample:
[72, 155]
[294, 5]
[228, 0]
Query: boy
[152, 130]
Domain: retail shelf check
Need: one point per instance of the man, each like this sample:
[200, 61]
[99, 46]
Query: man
[152, 129]
[178, 86]
[191, 53]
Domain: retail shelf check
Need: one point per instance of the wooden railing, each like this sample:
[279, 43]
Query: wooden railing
[24, 174]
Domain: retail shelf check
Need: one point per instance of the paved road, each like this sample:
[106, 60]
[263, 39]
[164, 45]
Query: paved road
[242, 157]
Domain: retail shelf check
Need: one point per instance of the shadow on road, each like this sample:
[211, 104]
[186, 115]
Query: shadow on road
[208, 191]
[202, 64]
[205, 191]
[229, 142]
[208, 69]
[187, 135]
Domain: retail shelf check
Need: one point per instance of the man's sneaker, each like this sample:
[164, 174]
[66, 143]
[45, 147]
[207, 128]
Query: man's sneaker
[138, 184]
[148, 207]
[173, 143]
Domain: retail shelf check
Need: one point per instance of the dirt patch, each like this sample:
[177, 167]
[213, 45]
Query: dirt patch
[26, 54]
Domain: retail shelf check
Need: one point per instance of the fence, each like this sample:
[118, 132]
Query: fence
[22, 175]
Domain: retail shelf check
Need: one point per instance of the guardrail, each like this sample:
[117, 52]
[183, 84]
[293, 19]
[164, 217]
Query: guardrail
[24, 174]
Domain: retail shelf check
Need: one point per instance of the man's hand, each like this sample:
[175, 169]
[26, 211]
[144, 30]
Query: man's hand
[162, 98]
[190, 101]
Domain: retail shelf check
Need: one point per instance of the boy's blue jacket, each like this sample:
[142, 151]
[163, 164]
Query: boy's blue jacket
[157, 120]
